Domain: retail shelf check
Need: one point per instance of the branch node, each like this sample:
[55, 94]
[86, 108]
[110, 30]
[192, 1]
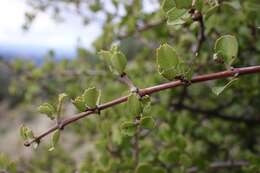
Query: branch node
[97, 110]
[60, 126]
[134, 90]
[124, 78]
[27, 144]
[236, 74]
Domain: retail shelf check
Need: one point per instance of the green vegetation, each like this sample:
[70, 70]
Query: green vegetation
[180, 92]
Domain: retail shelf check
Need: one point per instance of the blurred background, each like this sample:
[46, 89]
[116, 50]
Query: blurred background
[48, 47]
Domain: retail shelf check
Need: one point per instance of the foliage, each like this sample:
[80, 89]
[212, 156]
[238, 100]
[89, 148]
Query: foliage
[179, 130]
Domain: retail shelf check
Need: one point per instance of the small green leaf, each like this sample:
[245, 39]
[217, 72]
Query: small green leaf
[184, 71]
[146, 103]
[170, 155]
[147, 122]
[23, 130]
[47, 109]
[158, 170]
[177, 16]
[183, 3]
[55, 139]
[185, 160]
[26, 133]
[118, 62]
[167, 61]
[91, 97]
[115, 59]
[134, 105]
[61, 98]
[144, 168]
[166, 57]
[170, 65]
[105, 56]
[169, 74]
[219, 89]
[226, 48]
[180, 142]
[79, 103]
[128, 128]
[29, 134]
[167, 5]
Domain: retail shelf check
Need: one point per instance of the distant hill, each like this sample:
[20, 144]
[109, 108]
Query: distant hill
[34, 52]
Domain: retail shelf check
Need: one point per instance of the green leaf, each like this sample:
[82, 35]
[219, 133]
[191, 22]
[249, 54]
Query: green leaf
[7, 165]
[170, 155]
[47, 109]
[26, 133]
[166, 57]
[29, 133]
[146, 103]
[134, 105]
[118, 62]
[177, 16]
[79, 103]
[167, 5]
[23, 132]
[219, 89]
[91, 97]
[158, 170]
[226, 48]
[115, 59]
[55, 139]
[128, 128]
[185, 160]
[180, 142]
[105, 56]
[183, 3]
[169, 64]
[61, 98]
[147, 122]
[169, 74]
[144, 168]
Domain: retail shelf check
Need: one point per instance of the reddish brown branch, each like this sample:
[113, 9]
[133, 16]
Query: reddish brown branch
[151, 90]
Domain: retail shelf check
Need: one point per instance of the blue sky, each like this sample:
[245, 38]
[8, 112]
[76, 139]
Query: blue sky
[45, 33]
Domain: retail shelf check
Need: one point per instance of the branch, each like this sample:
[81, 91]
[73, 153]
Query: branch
[201, 35]
[221, 164]
[125, 79]
[149, 91]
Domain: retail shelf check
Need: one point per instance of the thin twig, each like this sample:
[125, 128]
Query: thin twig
[149, 91]
[125, 79]
[201, 34]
